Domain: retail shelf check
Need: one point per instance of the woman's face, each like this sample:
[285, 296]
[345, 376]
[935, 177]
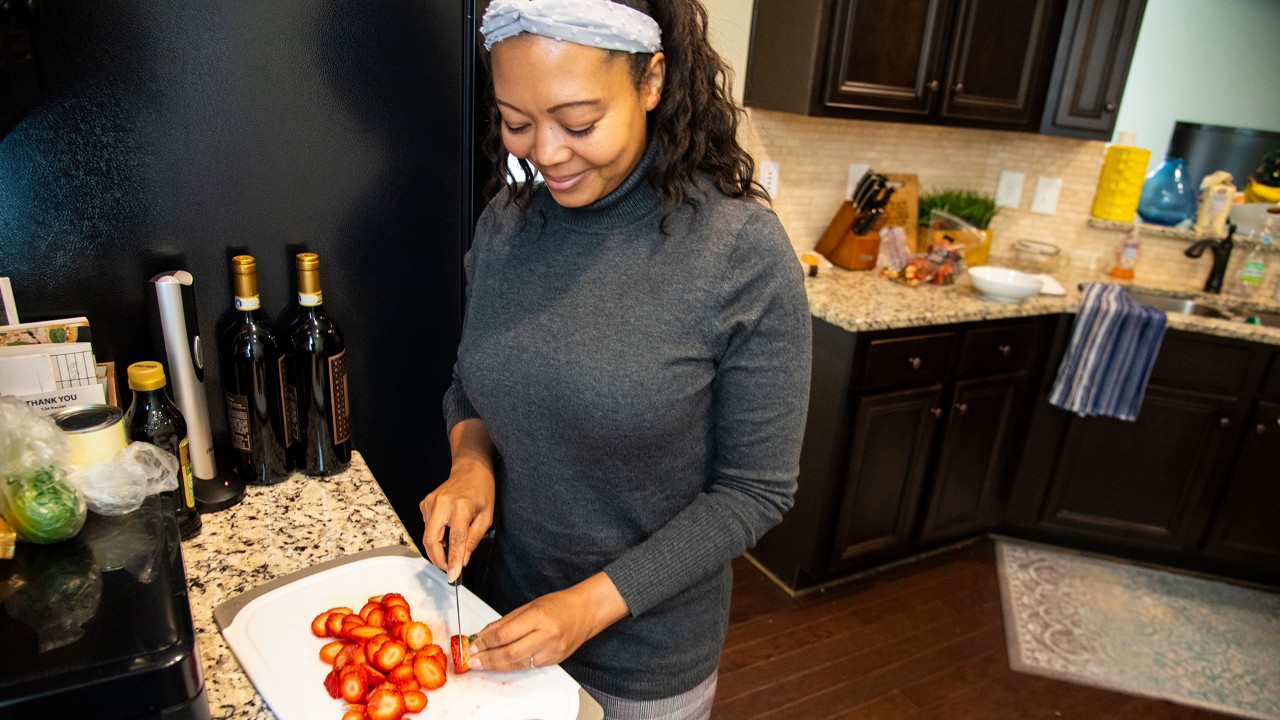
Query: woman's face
[573, 112]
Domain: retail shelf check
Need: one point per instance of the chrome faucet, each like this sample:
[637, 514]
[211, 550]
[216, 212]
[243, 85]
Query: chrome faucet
[1221, 254]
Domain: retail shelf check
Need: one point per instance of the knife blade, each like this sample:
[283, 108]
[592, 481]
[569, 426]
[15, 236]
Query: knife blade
[457, 601]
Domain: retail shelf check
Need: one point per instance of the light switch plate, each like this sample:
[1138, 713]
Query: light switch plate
[769, 171]
[1009, 191]
[856, 171]
[1046, 198]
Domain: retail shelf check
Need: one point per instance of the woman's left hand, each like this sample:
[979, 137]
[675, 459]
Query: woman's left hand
[550, 628]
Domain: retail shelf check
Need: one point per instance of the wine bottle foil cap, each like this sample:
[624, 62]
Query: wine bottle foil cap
[308, 273]
[244, 264]
[244, 271]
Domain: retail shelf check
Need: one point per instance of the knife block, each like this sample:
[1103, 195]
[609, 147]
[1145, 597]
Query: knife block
[842, 247]
[858, 252]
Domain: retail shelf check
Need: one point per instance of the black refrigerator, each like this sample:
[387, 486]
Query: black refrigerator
[174, 135]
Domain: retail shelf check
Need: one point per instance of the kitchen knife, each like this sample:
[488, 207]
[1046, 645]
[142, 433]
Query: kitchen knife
[457, 603]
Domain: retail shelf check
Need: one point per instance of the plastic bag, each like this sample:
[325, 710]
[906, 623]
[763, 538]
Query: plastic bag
[35, 496]
[119, 485]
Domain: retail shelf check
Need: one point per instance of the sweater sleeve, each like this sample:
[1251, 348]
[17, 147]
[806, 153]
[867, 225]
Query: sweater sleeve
[760, 400]
[457, 406]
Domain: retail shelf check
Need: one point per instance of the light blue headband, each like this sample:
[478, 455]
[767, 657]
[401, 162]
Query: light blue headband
[597, 23]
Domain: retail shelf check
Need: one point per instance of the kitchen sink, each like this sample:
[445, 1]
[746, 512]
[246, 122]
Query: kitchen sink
[1269, 319]
[1183, 304]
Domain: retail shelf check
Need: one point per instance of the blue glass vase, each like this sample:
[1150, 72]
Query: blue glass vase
[1166, 199]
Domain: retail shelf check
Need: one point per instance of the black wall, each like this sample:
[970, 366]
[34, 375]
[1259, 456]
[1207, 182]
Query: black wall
[174, 135]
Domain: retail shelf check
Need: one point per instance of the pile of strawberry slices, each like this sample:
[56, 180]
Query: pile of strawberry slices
[383, 661]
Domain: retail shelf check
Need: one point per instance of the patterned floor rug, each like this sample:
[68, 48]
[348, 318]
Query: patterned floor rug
[1140, 631]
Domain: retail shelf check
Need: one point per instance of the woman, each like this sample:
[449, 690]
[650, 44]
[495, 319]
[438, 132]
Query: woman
[633, 375]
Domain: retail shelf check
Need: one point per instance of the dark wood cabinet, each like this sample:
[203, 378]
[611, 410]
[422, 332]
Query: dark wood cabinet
[1000, 58]
[1145, 483]
[909, 441]
[886, 55]
[1057, 66]
[1092, 64]
[888, 455]
[966, 62]
[973, 458]
[1246, 527]
[1192, 483]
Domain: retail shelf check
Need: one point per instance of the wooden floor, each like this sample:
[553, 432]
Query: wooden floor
[919, 641]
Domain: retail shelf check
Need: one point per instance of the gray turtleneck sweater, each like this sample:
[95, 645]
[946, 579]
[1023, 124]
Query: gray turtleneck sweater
[646, 393]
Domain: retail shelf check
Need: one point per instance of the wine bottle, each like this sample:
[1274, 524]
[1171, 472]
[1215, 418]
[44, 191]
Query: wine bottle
[255, 384]
[320, 364]
[153, 418]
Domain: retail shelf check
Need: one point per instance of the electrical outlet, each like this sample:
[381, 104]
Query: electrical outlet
[1046, 198]
[856, 171]
[1009, 191]
[769, 171]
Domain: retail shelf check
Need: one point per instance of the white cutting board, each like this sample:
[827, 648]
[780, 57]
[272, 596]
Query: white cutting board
[269, 630]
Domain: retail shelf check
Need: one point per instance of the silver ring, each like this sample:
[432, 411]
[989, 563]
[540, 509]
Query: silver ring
[531, 665]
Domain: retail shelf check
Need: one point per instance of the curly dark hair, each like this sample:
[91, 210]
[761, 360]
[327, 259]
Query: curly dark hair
[695, 125]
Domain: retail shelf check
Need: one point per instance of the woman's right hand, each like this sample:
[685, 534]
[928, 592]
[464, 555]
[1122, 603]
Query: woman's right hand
[463, 504]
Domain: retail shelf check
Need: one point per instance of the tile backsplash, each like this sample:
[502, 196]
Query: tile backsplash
[815, 154]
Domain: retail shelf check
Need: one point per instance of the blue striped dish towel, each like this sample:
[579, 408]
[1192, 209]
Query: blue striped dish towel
[1114, 342]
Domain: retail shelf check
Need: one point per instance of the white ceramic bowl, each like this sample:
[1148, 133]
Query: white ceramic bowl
[1004, 285]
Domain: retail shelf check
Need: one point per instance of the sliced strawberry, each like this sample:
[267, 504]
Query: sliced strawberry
[368, 608]
[429, 673]
[414, 701]
[459, 644]
[391, 599]
[389, 655]
[402, 677]
[333, 626]
[371, 647]
[377, 617]
[353, 686]
[398, 614]
[385, 704]
[330, 651]
[319, 626]
[416, 635]
[332, 685]
[354, 712]
[348, 654]
[361, 633]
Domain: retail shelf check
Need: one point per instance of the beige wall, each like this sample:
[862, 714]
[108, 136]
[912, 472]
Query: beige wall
[815, 154]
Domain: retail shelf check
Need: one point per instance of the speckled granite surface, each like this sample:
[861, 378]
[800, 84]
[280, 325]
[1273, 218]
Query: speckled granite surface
[862, 301]
[274, 531]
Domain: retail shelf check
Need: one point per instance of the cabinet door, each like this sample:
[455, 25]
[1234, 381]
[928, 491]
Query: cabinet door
[1144, 484]
[1094, 52]
[885, 55]
[998, 65]
[972, 458]
[1246, 528]
[892, 436]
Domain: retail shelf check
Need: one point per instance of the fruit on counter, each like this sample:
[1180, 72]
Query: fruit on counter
[41, 506]
[381, 660]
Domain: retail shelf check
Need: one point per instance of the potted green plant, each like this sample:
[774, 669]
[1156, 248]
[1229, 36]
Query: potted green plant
[975, 208]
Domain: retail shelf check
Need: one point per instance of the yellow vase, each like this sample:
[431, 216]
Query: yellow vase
[1124, 169]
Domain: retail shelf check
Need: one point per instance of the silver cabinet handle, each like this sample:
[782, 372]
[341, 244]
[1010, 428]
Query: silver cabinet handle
[936, 413]
[1224, 421]
[1110, 107]
[915, 363]
[933, 85]
[1005, 350]
[962, 408]
[1261, 428]
[959, 87]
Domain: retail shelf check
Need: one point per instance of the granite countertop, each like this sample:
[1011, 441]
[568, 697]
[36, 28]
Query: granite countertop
[862, 301]
[276, 530]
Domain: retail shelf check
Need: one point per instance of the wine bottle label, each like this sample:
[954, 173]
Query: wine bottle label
[184, 476]
[310, 299]
[248, 303]
[338, 398]
[238, 421]
[288, 403]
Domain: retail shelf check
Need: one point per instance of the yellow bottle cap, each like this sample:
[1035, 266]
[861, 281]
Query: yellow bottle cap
[146, 375]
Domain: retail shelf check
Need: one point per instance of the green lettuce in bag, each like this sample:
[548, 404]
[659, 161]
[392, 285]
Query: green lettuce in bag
[35, 497]
[42, 506]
